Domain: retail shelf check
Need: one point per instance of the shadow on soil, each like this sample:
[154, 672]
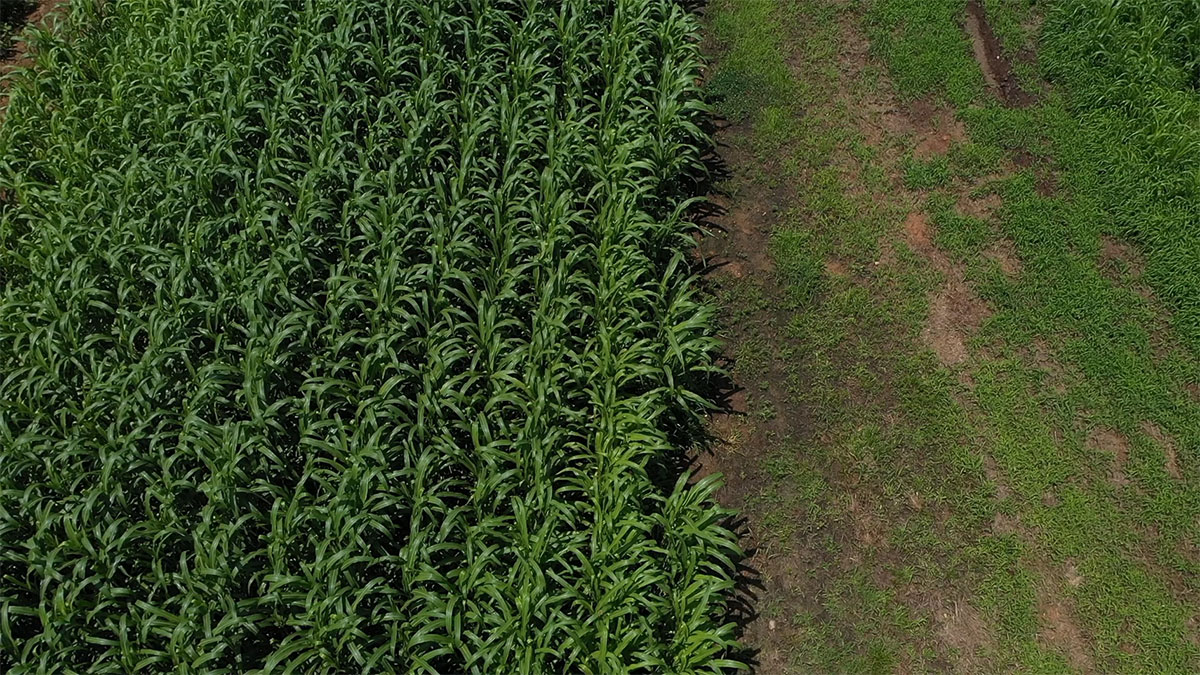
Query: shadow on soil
[13, 15]
[692, 437]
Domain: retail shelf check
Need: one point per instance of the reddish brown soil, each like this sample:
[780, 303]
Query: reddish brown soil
[748, 226]
[1113, 443]
[1060, 629]
[1047, 183]
[964, 629]
[955, 314]
[937, 129]
[996, 66]
[1168, 445]
[738, 251]
[1004, 254]
[917, 232]
[836, 268]
[1116, 254]
[18, 55]
[983, 207]
[955, 311]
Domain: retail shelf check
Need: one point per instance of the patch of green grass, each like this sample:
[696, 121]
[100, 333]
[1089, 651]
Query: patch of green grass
[774, 127]
[926, 51]
[751, 72]
[926, 174]
[1007, 588]
[1119, 363]
[863, 631]
[1066, 491]
[1092, 520]
[846, 227]
[1142, 100]
[853, 360]
[800, 268]
[970, 161]
[1121, 375]
[1008, 129]
[956, 233]
[1132, 115]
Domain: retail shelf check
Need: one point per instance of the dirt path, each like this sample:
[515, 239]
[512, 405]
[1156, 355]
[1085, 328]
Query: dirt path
[897, 518]
[839, 547]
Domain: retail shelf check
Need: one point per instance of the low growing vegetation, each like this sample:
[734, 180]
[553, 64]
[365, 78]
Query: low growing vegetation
[1133, 73]
[973, 448]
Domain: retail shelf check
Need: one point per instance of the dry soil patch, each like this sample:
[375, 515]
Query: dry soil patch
[1113, 443]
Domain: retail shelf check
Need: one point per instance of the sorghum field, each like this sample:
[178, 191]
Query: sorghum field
[355, 335]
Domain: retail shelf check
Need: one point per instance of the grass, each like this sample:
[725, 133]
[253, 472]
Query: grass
[903, 35]
[1017, 513]
[1129, 98]
[962, 235]
[751, 79]
[926, 174]
[842, 344]
[1130, 363]
[800, 269]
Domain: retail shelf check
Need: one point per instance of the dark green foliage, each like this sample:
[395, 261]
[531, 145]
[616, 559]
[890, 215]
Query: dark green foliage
[347, 335]
[1132, 69]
